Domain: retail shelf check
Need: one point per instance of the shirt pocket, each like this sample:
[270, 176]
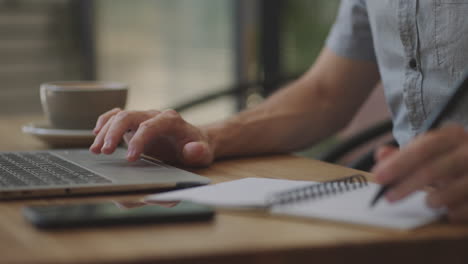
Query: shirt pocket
[451, 35]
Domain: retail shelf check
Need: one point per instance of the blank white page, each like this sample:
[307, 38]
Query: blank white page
[248, 192]
[352, 206]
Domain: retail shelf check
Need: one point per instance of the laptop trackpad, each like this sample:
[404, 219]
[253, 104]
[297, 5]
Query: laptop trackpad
[116, 168]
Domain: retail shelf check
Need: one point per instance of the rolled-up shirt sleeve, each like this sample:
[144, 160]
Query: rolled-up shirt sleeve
[351, 35]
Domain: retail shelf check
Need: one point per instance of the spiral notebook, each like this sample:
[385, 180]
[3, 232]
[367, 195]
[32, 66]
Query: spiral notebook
[344, 200]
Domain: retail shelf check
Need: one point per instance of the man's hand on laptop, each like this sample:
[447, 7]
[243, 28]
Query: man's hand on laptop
[162, 135]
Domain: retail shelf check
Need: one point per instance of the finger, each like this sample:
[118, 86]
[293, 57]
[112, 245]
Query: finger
[123, 122]
[168, 123]
[197, 154]
[436, 170]
[432, 144]
[99, 139]
[454, 193]
[443, 182]
[102, 120]
[459, 214]
[128, 136]
[384, 152]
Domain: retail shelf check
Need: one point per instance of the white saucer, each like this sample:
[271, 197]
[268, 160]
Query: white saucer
[60, 137]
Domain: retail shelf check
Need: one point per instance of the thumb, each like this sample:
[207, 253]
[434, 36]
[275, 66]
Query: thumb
[384, 152]
[197, 153]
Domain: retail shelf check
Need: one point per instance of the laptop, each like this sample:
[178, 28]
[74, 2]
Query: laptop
[77, 171]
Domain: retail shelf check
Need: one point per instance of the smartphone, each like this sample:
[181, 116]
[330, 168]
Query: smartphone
[115, 213]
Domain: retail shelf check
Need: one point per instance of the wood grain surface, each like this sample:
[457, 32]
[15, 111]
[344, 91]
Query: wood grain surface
[232, 237]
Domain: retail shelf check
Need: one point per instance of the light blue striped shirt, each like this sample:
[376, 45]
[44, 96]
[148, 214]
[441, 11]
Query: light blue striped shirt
[420, 46]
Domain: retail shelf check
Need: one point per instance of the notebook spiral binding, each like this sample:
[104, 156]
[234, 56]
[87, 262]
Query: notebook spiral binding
[318, 190]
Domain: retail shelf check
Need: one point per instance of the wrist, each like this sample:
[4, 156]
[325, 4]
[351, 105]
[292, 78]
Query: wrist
[218, 136]
[212, 139]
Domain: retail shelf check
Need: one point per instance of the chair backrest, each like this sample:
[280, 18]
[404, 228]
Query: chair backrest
[357, 151]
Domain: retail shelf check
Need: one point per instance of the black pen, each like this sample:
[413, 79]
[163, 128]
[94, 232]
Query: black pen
[433, 121]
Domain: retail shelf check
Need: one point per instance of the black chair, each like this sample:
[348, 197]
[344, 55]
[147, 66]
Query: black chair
[332, 154]
[363, 162]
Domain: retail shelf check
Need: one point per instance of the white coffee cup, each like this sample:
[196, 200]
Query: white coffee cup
[78, 104]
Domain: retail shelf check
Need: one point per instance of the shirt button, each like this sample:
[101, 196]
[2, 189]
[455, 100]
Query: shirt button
[413, 64]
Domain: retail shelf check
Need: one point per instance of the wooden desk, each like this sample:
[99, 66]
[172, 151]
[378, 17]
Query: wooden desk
[231, 237]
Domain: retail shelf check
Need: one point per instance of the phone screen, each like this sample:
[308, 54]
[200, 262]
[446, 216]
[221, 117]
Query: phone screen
[111, 213]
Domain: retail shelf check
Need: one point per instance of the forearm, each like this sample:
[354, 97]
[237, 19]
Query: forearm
[317, 105]
[278, 125]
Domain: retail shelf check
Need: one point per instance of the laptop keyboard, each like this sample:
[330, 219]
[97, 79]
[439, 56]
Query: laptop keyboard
[42, 169]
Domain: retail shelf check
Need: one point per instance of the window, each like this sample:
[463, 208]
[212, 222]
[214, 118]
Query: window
[168, 51]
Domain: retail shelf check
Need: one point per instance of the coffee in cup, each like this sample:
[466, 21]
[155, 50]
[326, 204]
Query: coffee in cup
[78, 104]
